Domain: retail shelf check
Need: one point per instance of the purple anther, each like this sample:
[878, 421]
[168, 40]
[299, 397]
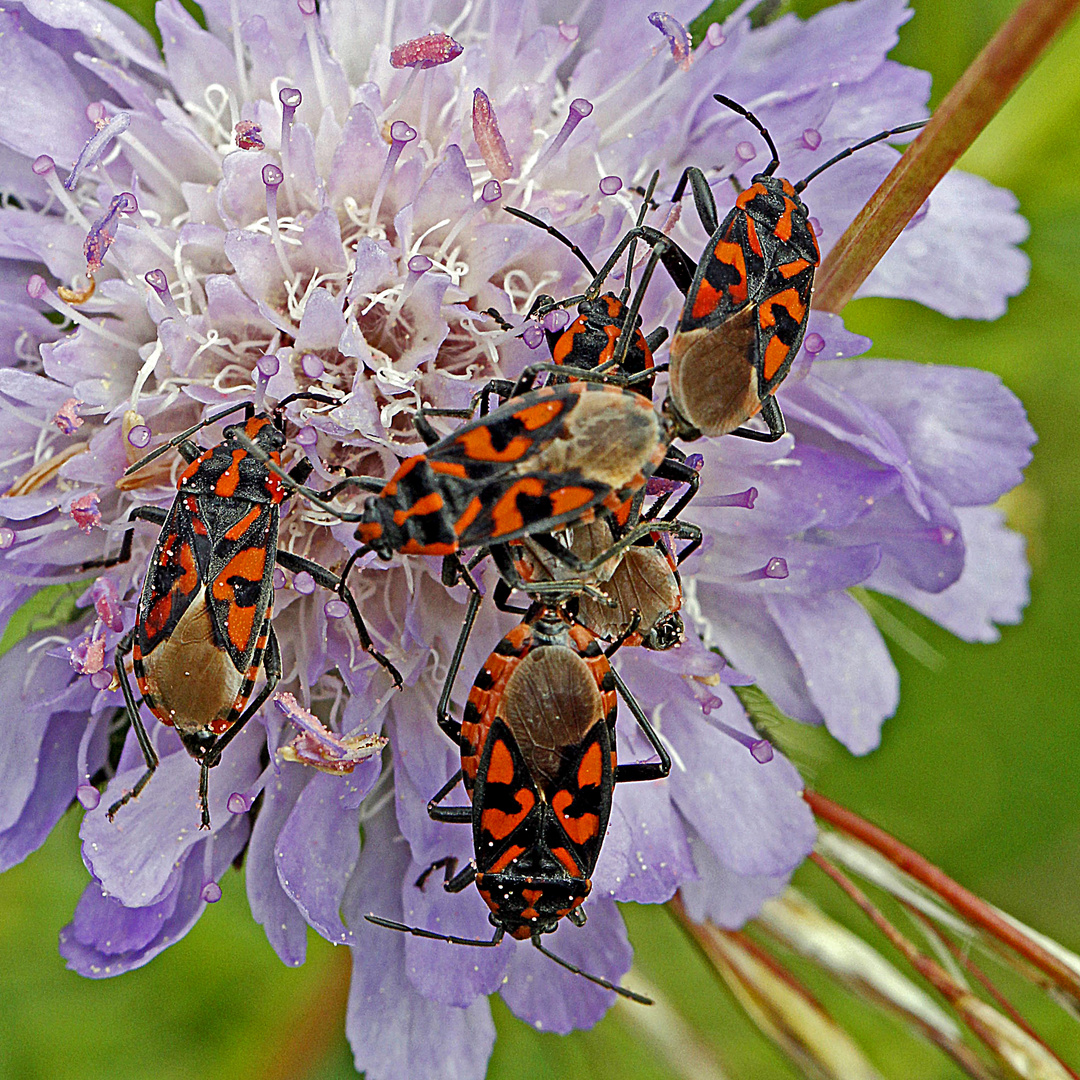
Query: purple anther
[36, 288]
[775, 568]
[272, 177]
[238, 803]
[43, 165]
[84, 511]
[533, 336]
[400, 136]
[103, 232]
[760, 749]
[7, 537]
[95, 113]
[67, 417]
[715, 36]
[556, 320]
[307, 436]
[919, 214]
[489, 139]
[811, 138]
[400, 132]
[106, 599]
[303, 583]
[278, 578]
[568, 31]
[269, 365]
[157, 281]
[746, 151]
[290, 98]
[139, 436]
[815, 225]
[677, 34]
[695, 462]
[211, 892]
[88, 795]
[419, 264]
[425, 52]
[95, 146]
[814, 343]
[336, 609]
[312, 366]
[491, 192]
[579, 109]
[611, 185]
[711, 703]
[101, 680]
[248, 135]
[942, 535]
[307, 7]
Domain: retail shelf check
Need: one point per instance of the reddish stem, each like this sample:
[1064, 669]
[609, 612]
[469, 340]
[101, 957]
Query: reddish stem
[967, 109]
[963, 900]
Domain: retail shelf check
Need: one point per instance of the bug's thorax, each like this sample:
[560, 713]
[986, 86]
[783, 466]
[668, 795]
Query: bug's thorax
[190, 680]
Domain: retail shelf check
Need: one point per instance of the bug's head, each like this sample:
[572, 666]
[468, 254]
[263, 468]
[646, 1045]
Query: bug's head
[261, 430]
[666, 633]
[526, 905]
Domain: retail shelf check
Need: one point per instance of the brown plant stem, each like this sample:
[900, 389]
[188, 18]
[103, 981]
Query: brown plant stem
[967, 109]
[969, 905]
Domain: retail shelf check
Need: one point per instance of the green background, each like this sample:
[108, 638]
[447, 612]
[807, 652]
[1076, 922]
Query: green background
[978, 770]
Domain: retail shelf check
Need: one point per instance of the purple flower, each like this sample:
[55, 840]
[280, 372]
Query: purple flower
[351, 246]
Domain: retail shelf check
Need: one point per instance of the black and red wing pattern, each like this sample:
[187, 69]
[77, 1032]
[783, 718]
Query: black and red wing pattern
[240, 574]
[177, 571]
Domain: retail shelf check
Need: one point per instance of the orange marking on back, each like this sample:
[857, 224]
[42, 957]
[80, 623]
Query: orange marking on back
[752, 237]
[501, 765]
[167, 550]
[531, 895]
[255, 425]
[783, 226]
[500, 824]
[244, 523]
[469, 516]
[416, 547]
[536, 416]
[248, 564]
[403, 470]
[431, 503]
[191, 574]
[749, 195]
[229, 480]
[158, 615]
[504, 860]
[775, 354]
[565, 345]
[478, 445]
[505, 515]
[789, 300]
[796, 266]
[705, 301]
[591, 770]
[581, 829]
[566, 500]
[732, 255]
[569, 863]
[450, 468]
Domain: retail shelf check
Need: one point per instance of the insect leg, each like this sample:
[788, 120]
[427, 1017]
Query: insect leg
[774, 419]
[643, 770]
[328, 580]
[154, 514]
[132, 706]
[457, 815]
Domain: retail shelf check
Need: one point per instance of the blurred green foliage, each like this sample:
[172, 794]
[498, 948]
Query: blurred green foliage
[978, 769]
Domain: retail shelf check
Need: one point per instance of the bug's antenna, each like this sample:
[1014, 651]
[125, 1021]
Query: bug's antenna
[734, 106]
[858, 146]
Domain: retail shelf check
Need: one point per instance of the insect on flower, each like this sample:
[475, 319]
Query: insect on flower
[545, 459]
[202, 630]
[747, 298]
[539, 765]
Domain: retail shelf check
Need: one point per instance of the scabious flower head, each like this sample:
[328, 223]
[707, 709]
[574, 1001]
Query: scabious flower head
[310, 199]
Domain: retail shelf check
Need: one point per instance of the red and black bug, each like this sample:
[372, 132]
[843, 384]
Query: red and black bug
[202, 629]
[747, 298]
[545, 459]
[538, 762]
